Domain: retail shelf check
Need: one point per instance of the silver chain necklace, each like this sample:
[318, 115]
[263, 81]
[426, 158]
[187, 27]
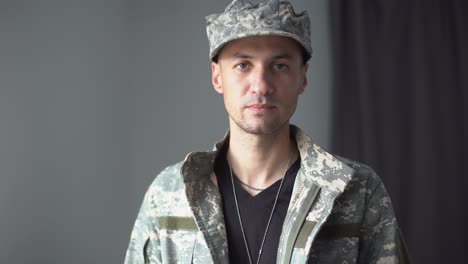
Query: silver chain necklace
[249, 186]
[269, 219]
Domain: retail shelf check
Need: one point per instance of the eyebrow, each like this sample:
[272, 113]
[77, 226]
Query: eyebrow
[239, 55]
[282, 56]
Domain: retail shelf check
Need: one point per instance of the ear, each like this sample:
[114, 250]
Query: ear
[216, 77]
[304, 69]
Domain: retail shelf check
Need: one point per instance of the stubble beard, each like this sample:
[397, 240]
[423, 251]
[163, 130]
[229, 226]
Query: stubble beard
[256, 129]
[260, 127]
[261, 124]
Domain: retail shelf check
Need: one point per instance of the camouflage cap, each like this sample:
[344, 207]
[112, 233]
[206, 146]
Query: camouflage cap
[242, 19]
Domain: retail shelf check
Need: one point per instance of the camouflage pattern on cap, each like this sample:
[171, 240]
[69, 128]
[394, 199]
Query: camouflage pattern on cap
[242, 19]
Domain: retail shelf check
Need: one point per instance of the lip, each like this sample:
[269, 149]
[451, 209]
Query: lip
[260, 107]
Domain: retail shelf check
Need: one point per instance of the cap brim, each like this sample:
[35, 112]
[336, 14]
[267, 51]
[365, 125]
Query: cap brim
[260, 32]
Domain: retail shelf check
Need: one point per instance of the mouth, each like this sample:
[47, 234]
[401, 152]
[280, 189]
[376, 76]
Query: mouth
[260, 107]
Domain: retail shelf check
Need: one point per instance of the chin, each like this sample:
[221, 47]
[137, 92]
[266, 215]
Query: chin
[260, 129]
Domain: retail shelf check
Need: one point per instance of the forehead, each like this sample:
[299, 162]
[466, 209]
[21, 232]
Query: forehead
[261, 47]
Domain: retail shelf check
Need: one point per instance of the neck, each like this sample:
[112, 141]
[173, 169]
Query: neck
[261, 159]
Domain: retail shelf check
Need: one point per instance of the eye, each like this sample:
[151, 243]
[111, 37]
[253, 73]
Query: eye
[242, 66]
[280, 67]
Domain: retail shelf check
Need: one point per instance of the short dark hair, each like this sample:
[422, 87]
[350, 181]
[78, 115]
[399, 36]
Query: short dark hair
[305, 55]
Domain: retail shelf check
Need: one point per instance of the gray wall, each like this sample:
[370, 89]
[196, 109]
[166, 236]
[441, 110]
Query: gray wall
[98, 96]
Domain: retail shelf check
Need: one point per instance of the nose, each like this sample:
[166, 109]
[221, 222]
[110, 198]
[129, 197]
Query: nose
[261, 81]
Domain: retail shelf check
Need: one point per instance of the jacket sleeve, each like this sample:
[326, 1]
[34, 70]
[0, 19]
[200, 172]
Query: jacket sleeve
[381, 240]
[144, 246]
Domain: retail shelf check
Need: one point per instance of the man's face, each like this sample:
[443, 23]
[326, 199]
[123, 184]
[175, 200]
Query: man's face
[260, 79]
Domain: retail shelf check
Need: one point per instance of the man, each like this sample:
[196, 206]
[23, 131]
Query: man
[267, 193]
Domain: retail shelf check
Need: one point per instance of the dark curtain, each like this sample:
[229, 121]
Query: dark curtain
[400, 105]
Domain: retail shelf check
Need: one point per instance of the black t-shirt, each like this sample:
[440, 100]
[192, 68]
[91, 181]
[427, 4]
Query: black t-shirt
[255, 212]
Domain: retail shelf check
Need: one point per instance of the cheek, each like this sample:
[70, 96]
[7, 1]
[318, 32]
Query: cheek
[232, 100]
[229, 98]
[234, 89]
[288, 88]
[235, 81]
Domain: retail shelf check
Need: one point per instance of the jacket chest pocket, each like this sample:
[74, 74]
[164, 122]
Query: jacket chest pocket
[177, 238]
[336, 244]
[333, 244]
[177, 245]
[342, 250]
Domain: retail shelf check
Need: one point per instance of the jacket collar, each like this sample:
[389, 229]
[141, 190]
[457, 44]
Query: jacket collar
[318, 165]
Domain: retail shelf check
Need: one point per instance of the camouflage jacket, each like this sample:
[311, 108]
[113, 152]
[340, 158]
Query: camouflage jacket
[339, 212]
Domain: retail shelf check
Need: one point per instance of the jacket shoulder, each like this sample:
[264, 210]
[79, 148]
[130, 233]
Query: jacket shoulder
[166, 193]
[169, 179]
[352, 204]
[363, 174]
